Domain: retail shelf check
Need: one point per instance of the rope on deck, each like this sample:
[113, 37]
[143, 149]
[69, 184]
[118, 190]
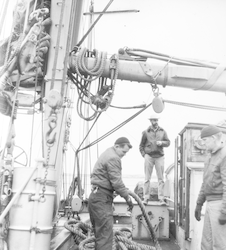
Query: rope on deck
[83, 237]
[147, 219]
[83, 233]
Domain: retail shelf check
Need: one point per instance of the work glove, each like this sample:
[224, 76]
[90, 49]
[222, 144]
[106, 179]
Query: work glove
[198, 212]
[129, 203]
[222, 219]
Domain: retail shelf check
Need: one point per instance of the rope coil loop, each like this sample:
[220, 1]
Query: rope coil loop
[83, 233]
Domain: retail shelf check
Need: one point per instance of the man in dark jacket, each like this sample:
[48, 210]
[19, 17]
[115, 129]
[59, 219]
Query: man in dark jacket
[213, 190]
[105, 179]
[153, 140]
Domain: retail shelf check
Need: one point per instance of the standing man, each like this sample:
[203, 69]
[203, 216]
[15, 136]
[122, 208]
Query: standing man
[105, 179]
[213, 190]
[151, 148]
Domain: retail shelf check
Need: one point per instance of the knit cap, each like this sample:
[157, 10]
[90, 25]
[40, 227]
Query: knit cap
[122, 140]
[209, 130]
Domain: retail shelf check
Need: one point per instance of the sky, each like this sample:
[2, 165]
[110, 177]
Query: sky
[182, 28]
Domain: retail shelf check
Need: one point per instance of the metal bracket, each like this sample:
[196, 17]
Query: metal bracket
[147, 70]
[39, 231]
[48, 183]
[157, 225]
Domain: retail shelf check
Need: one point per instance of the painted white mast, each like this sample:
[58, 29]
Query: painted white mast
[36, 189]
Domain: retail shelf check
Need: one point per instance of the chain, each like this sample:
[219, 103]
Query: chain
[42, 198]
[54, 102]
[155, 89]
[154, 86]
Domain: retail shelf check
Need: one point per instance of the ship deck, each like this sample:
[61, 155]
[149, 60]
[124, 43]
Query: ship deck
[62, 239]
[170, 244]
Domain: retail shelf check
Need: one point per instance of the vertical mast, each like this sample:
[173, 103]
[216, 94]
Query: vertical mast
[65, 16]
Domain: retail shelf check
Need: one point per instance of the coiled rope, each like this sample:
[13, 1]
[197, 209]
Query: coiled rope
[85, 75]
[98, 68]
[147, 219]
[84, 238]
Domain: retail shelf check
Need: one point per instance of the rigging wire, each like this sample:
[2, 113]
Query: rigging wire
[12, 118]
[76, 157]
[133, 116]
[92, 26]
[76, 161]
[164, 57]
[113, 130]
[195, 105]
[133, 107]
[96, 71]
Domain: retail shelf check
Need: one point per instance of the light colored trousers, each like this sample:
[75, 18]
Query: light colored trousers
[149, 164]
[214, 234]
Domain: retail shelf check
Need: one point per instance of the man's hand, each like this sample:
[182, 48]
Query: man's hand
[198, 210]
[222, 219]
[129, 203]
[159, 143]
[114, 194]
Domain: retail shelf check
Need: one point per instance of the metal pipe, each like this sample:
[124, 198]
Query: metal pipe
[111, 12]
[169, 74]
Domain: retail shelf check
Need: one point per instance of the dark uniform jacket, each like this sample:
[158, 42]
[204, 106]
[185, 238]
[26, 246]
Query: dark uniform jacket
[107, 173]
[148, 142]
[214, 179]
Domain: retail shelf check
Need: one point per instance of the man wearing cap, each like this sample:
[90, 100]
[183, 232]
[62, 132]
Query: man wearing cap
[213, 190]
[153, 140]
[105, 179]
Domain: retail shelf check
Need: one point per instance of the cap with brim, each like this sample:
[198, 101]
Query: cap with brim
[153, 117]
[123, 140]
[209, 131]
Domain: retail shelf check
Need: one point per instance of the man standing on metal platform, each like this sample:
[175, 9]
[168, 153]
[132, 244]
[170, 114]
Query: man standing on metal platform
[153, 140]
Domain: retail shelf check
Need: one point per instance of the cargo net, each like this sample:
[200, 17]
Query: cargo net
[84, 237]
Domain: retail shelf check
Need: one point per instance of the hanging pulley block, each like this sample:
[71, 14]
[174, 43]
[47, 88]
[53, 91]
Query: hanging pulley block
[158, 104]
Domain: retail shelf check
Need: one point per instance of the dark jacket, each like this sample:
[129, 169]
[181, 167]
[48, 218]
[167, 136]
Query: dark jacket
[214, 179]
[148, 142]
[107, 173]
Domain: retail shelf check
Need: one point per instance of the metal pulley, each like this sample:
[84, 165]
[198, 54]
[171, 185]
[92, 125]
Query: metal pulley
[76, 204]
[158, 104]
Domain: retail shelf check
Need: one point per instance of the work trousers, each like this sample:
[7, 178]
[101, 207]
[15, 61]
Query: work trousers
[101, 216]
[149, 163]
[214, 234]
